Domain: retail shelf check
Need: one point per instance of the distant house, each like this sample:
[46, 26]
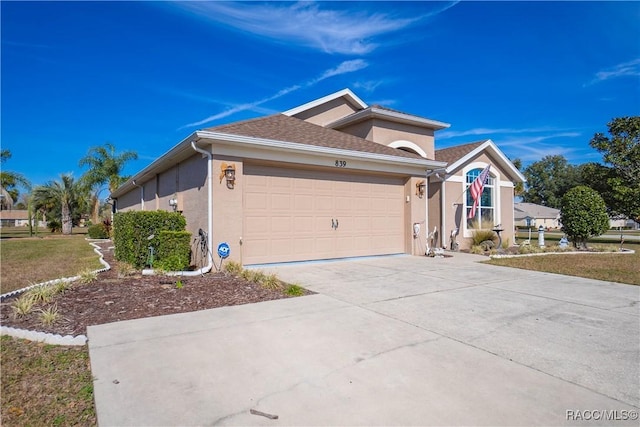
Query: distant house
[623, 222]
[534, 216]
[16, 218]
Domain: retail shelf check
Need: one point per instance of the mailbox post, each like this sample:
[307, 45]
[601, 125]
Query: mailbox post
[541, 236]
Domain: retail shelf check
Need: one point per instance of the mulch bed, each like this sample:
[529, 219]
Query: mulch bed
[112, 298]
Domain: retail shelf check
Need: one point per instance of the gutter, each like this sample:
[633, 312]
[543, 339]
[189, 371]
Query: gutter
[209, 266]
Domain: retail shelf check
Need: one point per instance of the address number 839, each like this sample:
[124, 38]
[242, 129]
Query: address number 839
[341, 163]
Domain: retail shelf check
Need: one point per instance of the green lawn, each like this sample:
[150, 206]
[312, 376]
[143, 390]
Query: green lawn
[45, 385]
[622, 268]
[32, 260]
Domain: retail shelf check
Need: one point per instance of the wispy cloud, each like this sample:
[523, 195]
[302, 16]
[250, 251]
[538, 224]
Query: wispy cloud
[342, 68]
[534, 148]
[494, 131]
[344, 31]
[625, 69]
[369, 85]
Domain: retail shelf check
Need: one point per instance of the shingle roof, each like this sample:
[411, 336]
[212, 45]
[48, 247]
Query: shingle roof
[451, 154]
[290, 129]
[522, 210]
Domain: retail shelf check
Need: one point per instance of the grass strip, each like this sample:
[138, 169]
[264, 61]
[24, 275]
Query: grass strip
[620, 268]
[27, 261]
[44, 384]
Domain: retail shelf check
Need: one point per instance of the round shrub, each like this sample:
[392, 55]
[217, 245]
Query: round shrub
[98, 231]
[583, 214]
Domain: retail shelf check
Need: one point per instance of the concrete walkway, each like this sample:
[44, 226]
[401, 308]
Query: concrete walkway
[387, 341]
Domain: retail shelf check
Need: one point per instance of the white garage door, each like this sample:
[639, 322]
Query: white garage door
[294, 215]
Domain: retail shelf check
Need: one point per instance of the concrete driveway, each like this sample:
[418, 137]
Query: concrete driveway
[395, 340]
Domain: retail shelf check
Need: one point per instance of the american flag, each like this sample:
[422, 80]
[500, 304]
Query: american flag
[476, 190]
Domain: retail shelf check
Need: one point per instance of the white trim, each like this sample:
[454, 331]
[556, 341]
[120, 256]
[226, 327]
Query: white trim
[487, 145]
[410, 145]
[346, 93]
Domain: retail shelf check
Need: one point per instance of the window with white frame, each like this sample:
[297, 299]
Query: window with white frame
[485, 211]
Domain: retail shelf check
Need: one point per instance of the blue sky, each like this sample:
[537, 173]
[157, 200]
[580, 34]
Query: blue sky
[538, 78]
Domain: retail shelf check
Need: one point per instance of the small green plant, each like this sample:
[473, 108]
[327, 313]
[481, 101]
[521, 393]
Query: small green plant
[259, 277]
[294, 290]
[49, 316]
[42, 294]
[271, 281]
[247, 275]
[482, 233]
[179, 284]
[23, 305]
[233, 268]
[87, 276]
[125, 269]
[477, 250]
[61, 286]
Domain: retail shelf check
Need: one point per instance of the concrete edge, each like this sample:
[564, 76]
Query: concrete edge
[621, 252]
[46, 337]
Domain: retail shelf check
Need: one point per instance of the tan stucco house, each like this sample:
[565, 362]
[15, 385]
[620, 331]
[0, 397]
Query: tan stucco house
[331, 178]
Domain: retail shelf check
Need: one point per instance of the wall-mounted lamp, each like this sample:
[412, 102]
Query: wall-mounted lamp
[420, 188]
[173, 203]
[228, 172]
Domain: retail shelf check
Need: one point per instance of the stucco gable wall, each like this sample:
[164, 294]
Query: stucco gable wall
[327, 112]
[386, 132]
[455, 216]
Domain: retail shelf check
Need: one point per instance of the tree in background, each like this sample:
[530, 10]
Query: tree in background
[518, 189]
[549, 179]
[619, 180]
[105, 167]
[10, 182]
[583, 214]
[60, 199]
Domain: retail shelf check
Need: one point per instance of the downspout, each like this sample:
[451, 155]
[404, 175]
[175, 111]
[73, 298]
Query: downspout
[209, 266]
[141, 194]
[443, 233]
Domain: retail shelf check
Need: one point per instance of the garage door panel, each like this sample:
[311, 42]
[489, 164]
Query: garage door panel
[281, 202]
[290, 217]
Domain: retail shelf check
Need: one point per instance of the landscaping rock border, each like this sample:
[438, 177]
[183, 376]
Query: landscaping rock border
[45, 337]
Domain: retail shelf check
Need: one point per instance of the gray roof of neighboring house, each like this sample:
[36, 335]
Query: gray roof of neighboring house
[523, 210]
[285, 128]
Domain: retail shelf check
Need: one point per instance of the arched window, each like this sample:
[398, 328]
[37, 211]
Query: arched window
[485, 211]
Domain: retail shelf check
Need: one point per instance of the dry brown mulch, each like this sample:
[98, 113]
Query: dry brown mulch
[112, 298]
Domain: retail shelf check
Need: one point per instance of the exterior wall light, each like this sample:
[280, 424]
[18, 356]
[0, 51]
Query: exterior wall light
[173, 203]
[228, 172]
[420, 188]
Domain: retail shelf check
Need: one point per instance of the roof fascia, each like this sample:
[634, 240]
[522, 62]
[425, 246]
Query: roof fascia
[271, 144]
[393, 116]
[487, 145]
[176, 153]
[346, 93]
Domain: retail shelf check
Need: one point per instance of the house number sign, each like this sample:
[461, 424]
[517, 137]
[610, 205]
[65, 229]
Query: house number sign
[341, 163]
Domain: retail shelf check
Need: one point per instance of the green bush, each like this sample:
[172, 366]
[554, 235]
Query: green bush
[174, 251]
[98, 231]
[583, 214]
[131, 232]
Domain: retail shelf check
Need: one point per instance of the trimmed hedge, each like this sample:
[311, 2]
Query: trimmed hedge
[174, 251]
[131, 232]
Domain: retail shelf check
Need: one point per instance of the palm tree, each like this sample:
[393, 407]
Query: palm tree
[9, 182]
[105, 166]
[65, 194]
